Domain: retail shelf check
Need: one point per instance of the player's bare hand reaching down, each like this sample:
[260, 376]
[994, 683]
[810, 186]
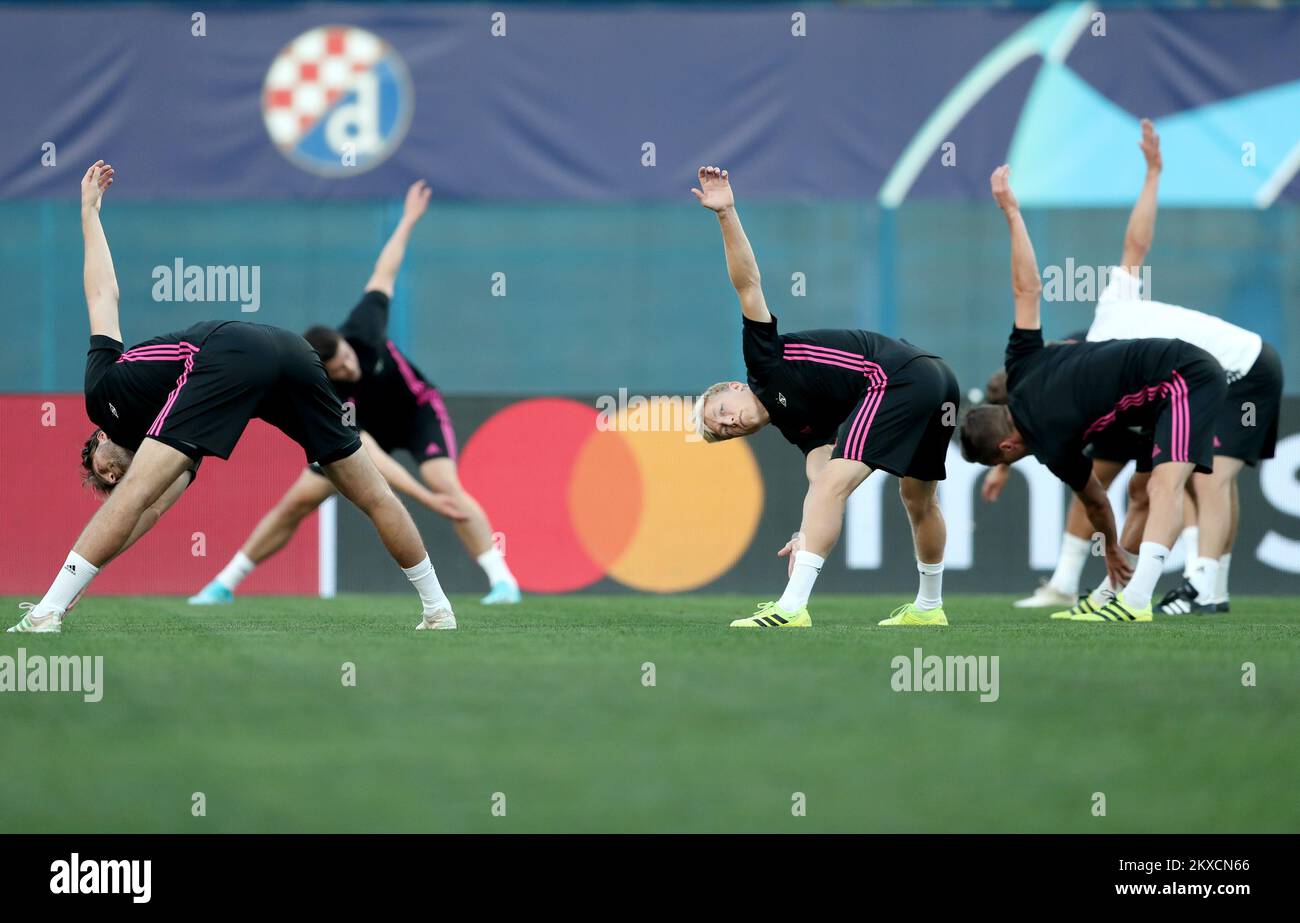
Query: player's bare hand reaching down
[715, 194]
[93, 185]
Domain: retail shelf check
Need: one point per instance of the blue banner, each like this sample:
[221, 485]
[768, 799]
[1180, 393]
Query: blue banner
[330, 101]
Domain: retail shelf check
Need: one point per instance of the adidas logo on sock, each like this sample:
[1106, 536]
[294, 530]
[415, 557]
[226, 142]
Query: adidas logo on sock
[71, 568]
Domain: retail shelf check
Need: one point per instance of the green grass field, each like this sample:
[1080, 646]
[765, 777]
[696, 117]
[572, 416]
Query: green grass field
[545, 703]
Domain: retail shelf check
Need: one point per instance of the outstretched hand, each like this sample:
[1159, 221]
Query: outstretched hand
[1000, 183]
[795, 544]
[714, 192]
[417, 200]
[994, 480]
[97, 179]
[1150, 145]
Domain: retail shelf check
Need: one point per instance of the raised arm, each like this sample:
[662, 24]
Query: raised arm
[98, 276]
[389, 263]
[1026, 285]
[1142, 222]
[715, 194]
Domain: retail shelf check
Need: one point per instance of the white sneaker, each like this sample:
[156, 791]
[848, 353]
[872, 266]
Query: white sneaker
[48, 622]
[1046, 595]
[437, 618]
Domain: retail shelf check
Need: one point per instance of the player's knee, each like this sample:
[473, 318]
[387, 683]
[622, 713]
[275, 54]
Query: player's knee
[918, 501]
[1163, 490]
[1137, 493]
[296, 509]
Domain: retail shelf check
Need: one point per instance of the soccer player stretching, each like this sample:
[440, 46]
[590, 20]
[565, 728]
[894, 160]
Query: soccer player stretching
[1059, 399]
[1245, 430]
[163, 405]
[399, 408]
[854, 401]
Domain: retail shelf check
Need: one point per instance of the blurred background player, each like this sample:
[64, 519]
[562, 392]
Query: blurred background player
[397, 406]
[163, 405]
[1060, 398]
[853, 401]
[1245, 431]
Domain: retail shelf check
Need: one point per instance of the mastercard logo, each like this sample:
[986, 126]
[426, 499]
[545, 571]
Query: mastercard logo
[577, 503]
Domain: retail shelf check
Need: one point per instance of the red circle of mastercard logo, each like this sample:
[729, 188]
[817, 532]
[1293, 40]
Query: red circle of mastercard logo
[578, 497]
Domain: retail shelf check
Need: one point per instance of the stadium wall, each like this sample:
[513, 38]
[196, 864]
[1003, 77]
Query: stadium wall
[593, 495]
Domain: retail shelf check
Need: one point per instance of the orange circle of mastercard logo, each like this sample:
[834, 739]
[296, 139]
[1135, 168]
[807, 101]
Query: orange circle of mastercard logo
[649, 508]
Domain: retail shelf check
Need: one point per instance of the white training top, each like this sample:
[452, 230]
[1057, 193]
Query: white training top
[1123, 315]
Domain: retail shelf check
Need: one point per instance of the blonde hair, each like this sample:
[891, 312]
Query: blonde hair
[697, 415]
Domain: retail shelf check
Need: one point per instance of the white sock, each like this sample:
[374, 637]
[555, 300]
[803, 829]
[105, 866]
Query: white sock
[1190, 537]
[806, 568]
[1105, 592]
[73, 577]
[1150, 565]
[427, 585]
[240, 566]
[1221, 581]
[493, 563]
[1205, 576]
[930, 593]
[1070, 563]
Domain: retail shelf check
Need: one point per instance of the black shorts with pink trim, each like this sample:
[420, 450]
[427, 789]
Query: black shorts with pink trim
[1248, 423]
[1193, 393]
[904, 424]
[430, 435]
[244, 371]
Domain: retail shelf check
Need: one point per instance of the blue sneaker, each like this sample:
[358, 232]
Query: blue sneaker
[214, 594]
[502, 594]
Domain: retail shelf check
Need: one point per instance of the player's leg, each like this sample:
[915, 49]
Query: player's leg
[1214, 521]
[357, 478]
[304, 406]
[936, 389]
[929, 539]
[271, 534]
[1191, 535]
[154, 468]
[1221, 594]
[1193, 395]
[823, 518]
[474, 532]
[1247, 429]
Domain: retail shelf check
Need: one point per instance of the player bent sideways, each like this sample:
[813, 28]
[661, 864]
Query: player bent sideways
[854, 401]
[1245, 430]
[163, 405]
[399, 408]
[1111, 451]
[1061, 398]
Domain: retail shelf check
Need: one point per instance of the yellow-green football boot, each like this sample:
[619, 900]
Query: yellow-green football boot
[910, 615]
[1082, 607]
[1115, 611]
[771, 615]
